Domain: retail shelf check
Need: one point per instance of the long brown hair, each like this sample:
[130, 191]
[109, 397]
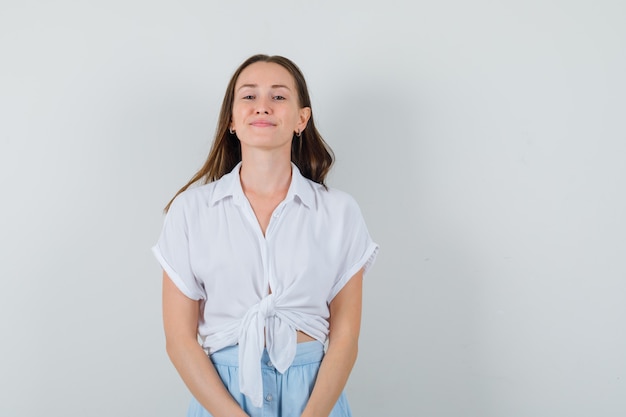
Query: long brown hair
[309, 152]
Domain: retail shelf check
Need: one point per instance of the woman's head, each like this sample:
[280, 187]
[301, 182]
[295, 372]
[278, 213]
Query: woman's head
[266, 110]
[309, 151]
[295, 73]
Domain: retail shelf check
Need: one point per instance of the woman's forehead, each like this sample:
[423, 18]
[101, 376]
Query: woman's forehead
[265, 74]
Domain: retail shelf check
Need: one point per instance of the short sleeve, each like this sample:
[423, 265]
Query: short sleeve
[357, 248]
[173, 248]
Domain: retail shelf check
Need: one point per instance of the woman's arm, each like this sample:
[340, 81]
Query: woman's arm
[345, 324]
[180, 320]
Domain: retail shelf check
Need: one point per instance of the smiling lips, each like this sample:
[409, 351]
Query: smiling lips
[262, 123]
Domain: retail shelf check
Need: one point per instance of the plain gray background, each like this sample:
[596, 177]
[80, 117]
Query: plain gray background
[485, 142]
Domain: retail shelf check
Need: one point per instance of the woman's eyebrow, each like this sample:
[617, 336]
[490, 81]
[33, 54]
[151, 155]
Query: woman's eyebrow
[274, 86]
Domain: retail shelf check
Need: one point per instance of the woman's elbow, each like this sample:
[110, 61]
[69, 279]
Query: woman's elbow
[175, 347]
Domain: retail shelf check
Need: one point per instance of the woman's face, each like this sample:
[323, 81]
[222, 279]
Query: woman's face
[266, 112]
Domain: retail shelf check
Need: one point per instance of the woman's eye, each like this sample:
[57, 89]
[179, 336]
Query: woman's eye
[248, 97]
[279, 98]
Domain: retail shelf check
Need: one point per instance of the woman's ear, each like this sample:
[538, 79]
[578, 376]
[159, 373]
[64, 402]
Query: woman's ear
[305, 115]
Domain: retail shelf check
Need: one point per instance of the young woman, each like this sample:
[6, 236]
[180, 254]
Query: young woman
[263, 261]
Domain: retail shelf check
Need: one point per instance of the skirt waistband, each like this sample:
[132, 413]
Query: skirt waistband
[306, 353]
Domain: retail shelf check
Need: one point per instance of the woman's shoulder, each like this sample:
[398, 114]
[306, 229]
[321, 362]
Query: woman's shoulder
[334, 198]
[194, 197]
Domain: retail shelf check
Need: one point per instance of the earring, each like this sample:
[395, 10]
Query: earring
[231, 131]
[298, 133]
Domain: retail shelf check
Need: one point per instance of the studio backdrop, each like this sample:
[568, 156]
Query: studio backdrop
[484, 141]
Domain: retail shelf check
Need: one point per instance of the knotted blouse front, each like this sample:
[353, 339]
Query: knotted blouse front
[256, 290]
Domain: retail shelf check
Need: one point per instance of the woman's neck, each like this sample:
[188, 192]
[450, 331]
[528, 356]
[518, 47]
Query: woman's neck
[265, 176]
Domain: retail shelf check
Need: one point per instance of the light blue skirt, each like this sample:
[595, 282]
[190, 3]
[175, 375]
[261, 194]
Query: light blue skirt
[285, 395]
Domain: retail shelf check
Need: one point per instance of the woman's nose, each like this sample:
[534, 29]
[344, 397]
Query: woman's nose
[263, 106]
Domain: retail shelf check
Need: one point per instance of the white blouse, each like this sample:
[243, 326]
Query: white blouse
[213, 249]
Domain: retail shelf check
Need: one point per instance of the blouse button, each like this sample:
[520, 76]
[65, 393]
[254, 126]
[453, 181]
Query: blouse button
[268, 398]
